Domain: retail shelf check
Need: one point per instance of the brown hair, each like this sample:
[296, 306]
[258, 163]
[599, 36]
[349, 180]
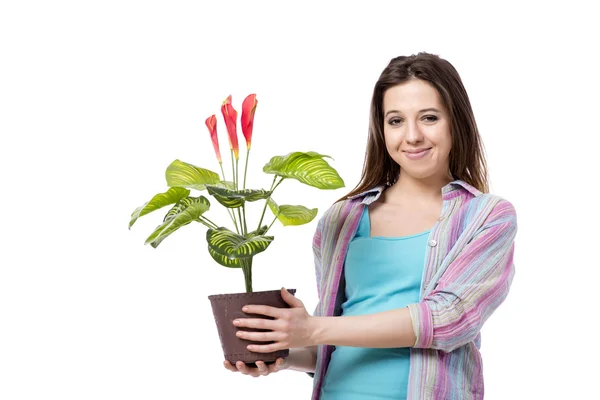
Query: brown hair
[466, 158]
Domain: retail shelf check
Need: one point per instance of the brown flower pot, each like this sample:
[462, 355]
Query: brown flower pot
[227, 307]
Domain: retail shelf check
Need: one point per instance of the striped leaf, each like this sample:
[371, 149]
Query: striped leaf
[225, 184]
[292, 215]
[234, 262]
[231, 245]
[182, 174]
[309, 168]
[188, 210]
[236, 198]
[224, 260]
[171, 196]
[263, 229]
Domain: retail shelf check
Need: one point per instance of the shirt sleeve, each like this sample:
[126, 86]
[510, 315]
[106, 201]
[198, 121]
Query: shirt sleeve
[473, 286]
[316, 245]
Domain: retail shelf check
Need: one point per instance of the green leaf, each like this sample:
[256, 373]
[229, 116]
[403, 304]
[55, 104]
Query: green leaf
[234, 262]
[263, 229]
[231, 245]
[236, 198]
[173, 195]
[224, 260]
[292, 215]
[226, 185]
[309, 168]
[182, 174]
[188, 210]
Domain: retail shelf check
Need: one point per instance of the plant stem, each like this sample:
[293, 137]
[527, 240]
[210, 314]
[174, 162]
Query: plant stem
[222, 172]
[244, 215]
[233, 169]
[241, 220]
[247, 269]
[235, 187]
[246, 168]
[236, 225]
[207, 222]
[237, 175]
[267, 199]
[275, 219]
[228, 210]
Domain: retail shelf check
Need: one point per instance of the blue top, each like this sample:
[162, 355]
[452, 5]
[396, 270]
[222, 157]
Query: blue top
[381, 273]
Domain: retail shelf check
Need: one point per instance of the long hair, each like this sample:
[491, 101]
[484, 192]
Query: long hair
[466, 159]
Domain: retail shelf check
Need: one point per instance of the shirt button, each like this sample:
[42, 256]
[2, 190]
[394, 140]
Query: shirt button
[432, 243]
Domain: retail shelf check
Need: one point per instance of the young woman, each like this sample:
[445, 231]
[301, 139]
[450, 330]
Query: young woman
[409, 264]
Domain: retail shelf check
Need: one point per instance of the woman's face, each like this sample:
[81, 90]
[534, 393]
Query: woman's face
[415, 119]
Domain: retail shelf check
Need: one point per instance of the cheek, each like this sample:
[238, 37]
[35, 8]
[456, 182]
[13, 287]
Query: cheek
[392, 141]
[447, 146]
[443, 143]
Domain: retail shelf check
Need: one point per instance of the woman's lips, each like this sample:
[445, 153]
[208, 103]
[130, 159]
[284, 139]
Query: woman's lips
[416, 156]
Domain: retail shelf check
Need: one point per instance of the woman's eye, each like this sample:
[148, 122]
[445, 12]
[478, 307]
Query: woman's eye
[429, 118]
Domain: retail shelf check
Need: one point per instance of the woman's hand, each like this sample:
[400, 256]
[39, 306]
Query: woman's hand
[292, 327]
[261, 368]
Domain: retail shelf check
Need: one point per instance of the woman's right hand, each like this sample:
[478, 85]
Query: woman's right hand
[261, 368]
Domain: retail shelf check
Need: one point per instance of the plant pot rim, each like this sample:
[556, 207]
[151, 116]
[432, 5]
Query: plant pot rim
[246, 294]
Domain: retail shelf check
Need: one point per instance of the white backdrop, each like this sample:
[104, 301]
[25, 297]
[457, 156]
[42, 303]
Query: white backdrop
[97, 98]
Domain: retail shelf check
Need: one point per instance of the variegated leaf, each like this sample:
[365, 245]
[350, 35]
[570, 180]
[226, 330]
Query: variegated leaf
[171, 196]
[258, 232]
[182, 174]
[188, 210]
[292, 215]
[309, 168]
[224, 260]
[230, 244]
[236, 198]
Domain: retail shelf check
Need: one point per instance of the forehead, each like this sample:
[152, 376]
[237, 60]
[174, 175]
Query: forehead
[412, 95]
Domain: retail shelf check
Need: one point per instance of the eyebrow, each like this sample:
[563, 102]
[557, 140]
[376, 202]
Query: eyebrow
[423, 110]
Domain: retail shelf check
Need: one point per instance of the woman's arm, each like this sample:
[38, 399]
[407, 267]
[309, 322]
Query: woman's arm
[385, 329]
[303, 359]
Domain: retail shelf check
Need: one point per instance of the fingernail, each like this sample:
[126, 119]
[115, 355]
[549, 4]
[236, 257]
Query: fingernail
[245, 309]
[236, 321]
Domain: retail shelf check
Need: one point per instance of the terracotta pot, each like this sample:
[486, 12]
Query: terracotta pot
[227, 307]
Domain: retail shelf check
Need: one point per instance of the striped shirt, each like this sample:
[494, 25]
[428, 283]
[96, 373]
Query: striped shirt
[467, 274]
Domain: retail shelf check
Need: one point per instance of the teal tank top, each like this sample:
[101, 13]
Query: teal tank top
[381, 273]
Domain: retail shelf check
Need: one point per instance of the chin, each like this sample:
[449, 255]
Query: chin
[418, 174]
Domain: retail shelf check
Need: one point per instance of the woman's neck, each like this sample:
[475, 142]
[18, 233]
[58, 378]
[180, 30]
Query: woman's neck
[407, 188]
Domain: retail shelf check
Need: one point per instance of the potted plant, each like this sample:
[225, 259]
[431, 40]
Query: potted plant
[236, 246]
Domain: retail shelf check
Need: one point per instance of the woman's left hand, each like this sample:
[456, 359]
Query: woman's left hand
[292, 327]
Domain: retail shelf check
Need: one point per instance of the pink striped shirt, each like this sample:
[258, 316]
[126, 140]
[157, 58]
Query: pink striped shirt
[467, 275]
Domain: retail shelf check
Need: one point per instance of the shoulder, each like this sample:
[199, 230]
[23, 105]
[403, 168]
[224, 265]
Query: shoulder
[475, 203]
[499, 206]
[490, 209]
[337, 212]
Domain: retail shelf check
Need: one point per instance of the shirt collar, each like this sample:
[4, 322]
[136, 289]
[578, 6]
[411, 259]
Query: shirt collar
[370, 195]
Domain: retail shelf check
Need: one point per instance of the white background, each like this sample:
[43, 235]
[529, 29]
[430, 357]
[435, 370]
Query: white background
[97, 98]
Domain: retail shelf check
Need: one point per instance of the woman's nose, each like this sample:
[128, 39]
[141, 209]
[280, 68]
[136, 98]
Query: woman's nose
[413, 134]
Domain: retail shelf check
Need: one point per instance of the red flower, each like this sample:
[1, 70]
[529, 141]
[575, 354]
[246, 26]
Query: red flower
[230, 116]
[248, 109]
[211, 123]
